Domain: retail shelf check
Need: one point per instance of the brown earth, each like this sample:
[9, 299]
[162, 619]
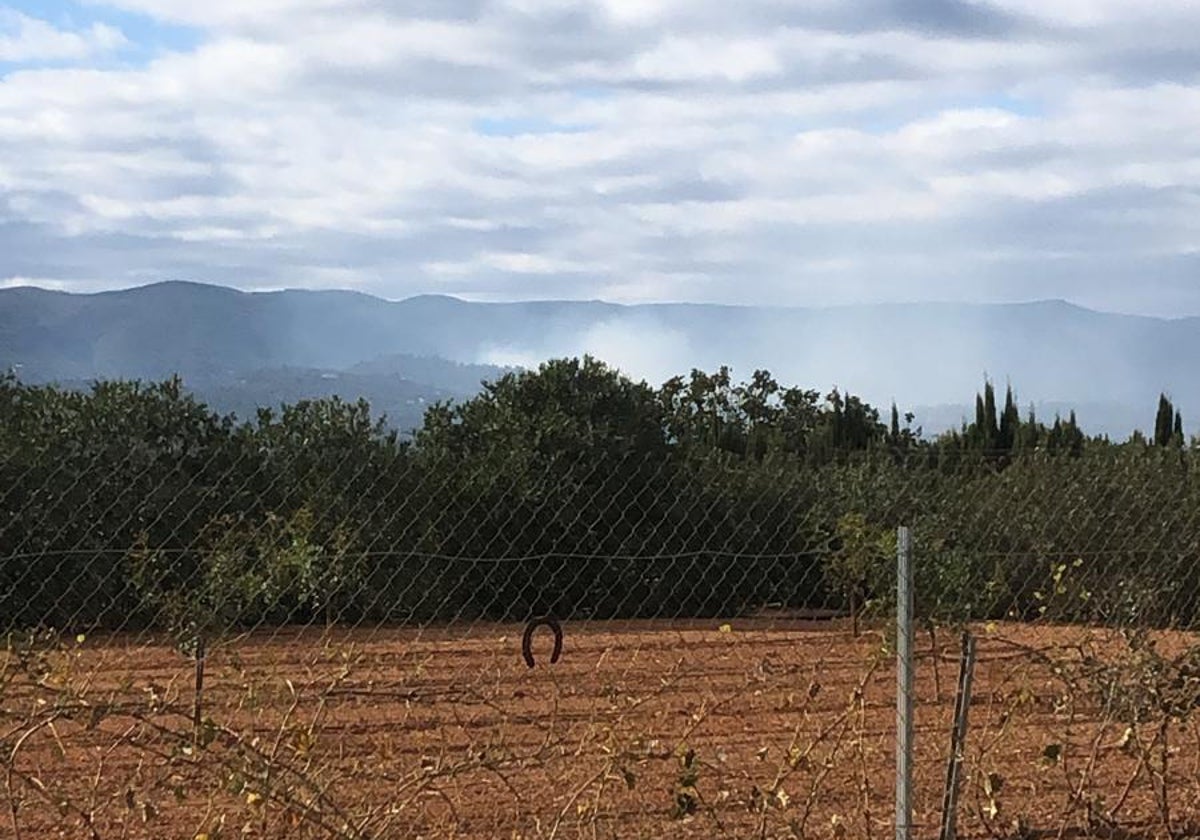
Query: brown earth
[757, 729]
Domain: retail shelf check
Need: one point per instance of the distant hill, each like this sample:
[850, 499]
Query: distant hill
[243, 348]
[402, 401]
[397, 386]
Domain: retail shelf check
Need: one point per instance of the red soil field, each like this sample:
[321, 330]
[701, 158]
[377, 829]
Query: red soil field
[700, 729]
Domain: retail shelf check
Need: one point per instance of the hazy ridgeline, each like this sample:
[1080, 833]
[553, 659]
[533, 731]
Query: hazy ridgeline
[236, 350]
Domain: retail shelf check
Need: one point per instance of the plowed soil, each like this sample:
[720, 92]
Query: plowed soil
[702, 729]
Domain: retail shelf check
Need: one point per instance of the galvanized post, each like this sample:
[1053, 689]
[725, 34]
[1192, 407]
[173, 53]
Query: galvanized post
[904, 684]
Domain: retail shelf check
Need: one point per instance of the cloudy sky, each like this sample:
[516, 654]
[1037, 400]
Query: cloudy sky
[759, 151]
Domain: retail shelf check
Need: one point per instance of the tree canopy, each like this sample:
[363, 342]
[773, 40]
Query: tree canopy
[569, 489]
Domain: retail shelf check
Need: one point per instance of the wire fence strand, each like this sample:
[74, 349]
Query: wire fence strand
[308, 629]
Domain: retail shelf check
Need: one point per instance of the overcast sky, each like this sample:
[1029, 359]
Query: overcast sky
[758, 151]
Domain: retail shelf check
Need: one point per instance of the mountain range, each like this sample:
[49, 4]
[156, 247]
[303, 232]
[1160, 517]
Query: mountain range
[238, 350]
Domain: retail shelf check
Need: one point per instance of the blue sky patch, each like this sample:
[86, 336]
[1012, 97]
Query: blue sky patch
[147, 36]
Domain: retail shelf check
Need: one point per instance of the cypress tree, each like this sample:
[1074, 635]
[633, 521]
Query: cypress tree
[1177, 432]
[1028, 433]
[977, 432]
[992, 429]
[1054, 440]
[1074, 436]
[838, 431]
[1010, 422]
[1164, 421]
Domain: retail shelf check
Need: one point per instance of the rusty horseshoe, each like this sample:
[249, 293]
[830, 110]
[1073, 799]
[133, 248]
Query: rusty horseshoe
[527, 641]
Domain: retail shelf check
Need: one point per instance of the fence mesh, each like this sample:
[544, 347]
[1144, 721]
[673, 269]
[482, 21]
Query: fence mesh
[1076, 578]
[312, 630]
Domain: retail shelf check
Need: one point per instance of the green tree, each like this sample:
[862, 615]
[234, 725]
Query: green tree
[90, 472]
[1010, 423]
[565, 407]
[991, 430]
[1164, 425]
[860, 558]
[1029, 434]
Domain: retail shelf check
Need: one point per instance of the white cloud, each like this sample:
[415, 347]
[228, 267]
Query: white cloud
[638, 12]
[39, 282]
[25, 39]
[755, 152]
[510, 263]
[677, 59]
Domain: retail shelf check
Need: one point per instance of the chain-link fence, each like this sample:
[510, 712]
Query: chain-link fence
[1074, 581]
[313, 630]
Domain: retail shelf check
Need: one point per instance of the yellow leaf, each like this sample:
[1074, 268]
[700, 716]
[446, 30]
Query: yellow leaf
[726, 628]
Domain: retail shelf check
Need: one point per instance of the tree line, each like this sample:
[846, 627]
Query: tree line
[576, 491]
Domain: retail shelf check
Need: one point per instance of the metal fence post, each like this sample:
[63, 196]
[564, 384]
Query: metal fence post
[958, 738]
[904, 683]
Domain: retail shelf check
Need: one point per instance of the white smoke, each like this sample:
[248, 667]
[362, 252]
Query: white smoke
[640, 347]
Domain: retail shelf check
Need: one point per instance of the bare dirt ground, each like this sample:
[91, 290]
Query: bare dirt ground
[700, 729]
